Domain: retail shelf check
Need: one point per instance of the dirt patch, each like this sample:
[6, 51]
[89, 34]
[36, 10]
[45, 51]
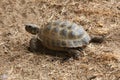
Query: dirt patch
[99, 17]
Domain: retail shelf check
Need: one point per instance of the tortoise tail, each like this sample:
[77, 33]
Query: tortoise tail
[97, 39]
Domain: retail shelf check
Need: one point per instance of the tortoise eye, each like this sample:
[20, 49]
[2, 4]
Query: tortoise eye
[33, 29]
[28, 28]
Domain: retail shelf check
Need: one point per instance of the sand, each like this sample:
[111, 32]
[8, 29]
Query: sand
[99, 61]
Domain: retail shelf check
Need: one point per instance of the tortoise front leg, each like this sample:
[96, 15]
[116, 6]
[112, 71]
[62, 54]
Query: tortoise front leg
[34, 44]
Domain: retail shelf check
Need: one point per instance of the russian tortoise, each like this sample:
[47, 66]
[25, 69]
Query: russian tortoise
[61, 36]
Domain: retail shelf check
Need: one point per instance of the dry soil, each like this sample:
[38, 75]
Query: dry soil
[99, 61]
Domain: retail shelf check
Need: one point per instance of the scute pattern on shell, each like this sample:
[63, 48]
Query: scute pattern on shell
[63, 34]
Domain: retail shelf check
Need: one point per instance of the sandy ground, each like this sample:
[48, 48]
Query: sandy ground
[99, 62]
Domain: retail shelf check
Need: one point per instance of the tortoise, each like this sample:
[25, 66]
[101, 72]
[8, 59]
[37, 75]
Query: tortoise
[61, 36]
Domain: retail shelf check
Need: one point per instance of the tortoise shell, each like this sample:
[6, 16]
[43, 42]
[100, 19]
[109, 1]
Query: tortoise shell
[63, 34]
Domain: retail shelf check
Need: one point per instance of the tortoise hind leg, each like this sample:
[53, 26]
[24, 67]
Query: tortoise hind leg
[75, 54]
[71, 53]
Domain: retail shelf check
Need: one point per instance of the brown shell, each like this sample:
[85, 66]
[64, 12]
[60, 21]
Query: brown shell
[63, 34]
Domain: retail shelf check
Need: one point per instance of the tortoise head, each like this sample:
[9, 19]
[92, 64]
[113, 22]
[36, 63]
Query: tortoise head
[32, 28]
